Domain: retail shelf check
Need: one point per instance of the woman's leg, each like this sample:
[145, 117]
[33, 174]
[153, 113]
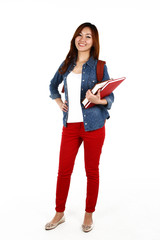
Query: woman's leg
[70, 143]
[93, 142]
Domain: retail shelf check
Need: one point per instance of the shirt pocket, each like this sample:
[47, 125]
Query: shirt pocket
[91, 83]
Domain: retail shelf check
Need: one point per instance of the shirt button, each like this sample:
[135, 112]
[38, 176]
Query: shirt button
[83, 72]
[83, 80]
[85, 123]
[84, 115]
[82, 89]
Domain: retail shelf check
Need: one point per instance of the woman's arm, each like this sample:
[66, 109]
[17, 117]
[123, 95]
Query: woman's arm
[54, 83]
[106, 101]
[63, 106]
[56, 80]
[96, 99]
[110, 97]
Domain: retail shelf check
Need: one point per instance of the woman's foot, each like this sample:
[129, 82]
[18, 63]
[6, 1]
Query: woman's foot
[88, 222]
[58, 218]
[87, 219]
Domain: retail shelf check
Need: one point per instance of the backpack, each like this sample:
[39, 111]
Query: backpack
[99, 71]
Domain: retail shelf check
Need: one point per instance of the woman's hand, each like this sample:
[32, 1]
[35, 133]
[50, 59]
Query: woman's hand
[96, 99]
[63, 106]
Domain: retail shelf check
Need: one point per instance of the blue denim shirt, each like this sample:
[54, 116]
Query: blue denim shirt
[94, 117]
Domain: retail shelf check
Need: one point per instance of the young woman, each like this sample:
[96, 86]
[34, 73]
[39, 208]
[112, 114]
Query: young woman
[78, 72]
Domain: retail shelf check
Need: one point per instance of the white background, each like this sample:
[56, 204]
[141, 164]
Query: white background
[35, 39]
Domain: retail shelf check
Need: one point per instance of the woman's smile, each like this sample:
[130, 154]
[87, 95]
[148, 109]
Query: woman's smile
[82, 45]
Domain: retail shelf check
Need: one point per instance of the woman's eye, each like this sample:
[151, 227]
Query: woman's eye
[81, 35]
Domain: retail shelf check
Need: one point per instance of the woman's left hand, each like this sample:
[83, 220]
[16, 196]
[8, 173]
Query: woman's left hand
[96, 99]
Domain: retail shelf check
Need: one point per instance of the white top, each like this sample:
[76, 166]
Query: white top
[74, 96]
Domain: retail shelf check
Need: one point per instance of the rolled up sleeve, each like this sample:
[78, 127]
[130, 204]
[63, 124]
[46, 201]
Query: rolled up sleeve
[54, 83]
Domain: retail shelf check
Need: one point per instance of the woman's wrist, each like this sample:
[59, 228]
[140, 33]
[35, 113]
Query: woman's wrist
[59, 102]
[63, 105]
[102, 101]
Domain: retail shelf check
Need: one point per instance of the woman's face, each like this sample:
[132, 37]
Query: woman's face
[84, 40]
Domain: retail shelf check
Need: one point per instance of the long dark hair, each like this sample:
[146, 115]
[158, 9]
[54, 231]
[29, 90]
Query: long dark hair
[73, 52]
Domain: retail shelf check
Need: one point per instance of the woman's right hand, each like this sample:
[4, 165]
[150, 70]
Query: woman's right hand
[63, 106]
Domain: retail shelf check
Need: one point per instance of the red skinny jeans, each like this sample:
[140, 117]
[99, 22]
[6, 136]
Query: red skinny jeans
[72, 137]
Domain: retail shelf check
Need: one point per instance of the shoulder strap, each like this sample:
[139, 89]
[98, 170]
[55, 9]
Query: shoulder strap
[62, 89]
[100, 70]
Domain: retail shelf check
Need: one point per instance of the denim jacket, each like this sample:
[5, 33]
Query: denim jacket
[94, 117]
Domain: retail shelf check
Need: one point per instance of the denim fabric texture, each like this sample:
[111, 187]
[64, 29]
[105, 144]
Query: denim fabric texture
[94, 117]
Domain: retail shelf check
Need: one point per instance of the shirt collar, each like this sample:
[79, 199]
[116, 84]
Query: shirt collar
[90, 61]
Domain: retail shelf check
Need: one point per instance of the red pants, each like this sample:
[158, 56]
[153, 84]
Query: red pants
[72, 137]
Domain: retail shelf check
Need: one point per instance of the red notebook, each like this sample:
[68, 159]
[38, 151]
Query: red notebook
[106, 88]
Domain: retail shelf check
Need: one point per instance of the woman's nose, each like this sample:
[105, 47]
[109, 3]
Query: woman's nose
[83, 38]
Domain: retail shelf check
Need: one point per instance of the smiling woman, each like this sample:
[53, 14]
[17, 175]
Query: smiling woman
[77, 71]
[85, 43]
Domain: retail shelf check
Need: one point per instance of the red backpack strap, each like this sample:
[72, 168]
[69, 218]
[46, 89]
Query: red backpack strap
[100, 70]
[63, 89]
